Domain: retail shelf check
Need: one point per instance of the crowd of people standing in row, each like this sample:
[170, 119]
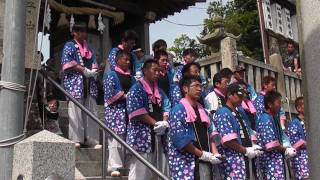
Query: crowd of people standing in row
[166, 115]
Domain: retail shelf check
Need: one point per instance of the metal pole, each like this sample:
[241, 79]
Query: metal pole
[105, 128]
[263, 33]
[104, 158]
[11, 102]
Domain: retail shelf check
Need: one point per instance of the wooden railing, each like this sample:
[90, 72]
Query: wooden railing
[288, 83]
[292, 85]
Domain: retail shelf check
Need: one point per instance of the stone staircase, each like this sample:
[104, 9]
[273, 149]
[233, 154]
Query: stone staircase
[88, 160]
[89, 164]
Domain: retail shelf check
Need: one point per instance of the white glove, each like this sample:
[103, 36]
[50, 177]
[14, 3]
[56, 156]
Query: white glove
[89, 73]
[209, 157]
[250, 152]
[217, 159]
[290, 152]
[160, 127]
[258, 149]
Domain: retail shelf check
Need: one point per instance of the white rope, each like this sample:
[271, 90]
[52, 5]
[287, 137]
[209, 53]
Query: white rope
[12, 86]
[12, 141]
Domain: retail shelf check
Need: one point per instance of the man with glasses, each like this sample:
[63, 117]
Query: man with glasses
[192, 151]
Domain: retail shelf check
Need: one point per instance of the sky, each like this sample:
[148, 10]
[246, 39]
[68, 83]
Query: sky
[194, 15]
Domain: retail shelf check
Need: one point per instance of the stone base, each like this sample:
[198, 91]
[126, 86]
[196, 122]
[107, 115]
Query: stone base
[42, 155]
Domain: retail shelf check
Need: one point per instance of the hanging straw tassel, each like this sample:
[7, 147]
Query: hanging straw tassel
[71, 22]
[92, 22]
[101, 26]
[63, 21]
[48, 18]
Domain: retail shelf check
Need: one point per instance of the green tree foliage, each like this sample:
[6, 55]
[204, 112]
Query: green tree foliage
[240, 17]
[184, 42]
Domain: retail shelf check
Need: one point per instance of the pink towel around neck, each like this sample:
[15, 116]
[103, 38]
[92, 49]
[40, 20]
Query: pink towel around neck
[191, 114]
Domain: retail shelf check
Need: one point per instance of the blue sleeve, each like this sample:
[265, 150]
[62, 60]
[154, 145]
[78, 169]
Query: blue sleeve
[252, 91]
[165, 103]
[175, 95]
[111, 90]
[112, 58]
[259, 105]
[295, 133]
[224, 126]
[135, 102]
[179, 132]
[68, 58]
[266, 135]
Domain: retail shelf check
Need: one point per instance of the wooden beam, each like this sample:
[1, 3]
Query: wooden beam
[117, 16]
[127, 6]
[99, 4]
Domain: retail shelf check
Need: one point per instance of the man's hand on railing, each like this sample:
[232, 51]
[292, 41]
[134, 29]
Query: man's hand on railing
[160, 127]
[89, 73]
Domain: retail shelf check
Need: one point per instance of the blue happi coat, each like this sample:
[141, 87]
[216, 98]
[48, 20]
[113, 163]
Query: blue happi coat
[259, 105]
[112, 59]
[181, 133]
[73, 80]
[115, 109]
[138, 133]
[229, 129]
[269, 136]
[297, 135]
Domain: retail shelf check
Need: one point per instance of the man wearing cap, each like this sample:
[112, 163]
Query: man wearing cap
[239, 77]
[80, 69]
[236, 144]
[249, 94]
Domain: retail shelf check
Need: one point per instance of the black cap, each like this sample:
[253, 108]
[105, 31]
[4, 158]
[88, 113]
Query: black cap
[80, 26]
[239, 68]
[235, 88]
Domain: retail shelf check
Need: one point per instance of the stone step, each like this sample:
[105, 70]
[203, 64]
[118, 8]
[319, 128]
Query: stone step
[107, 178]
[89, 168]
[89, 154]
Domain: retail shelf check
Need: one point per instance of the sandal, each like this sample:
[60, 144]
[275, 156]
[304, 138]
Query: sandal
[115, 174]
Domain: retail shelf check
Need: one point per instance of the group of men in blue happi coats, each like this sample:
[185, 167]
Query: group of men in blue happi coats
[174, 119]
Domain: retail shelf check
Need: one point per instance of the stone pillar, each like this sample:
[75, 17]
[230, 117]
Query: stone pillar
[229, 53]
[274, 47]
[309, 36]
[1, 28]
[31, 45]
[276, 61]
[42, 155]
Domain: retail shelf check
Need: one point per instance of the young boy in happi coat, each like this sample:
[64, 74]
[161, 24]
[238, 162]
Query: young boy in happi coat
[165, 81]
[116, 85]
[297, 135]
[191, 69]
[191, 145]
[236, 143]
[80, 70]
[269, 132]
[128, 42]
[217, 98]
[148, 109]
